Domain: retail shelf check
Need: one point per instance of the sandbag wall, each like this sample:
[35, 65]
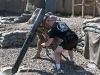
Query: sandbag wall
[92, 27]
[81, 42]
[13, 39]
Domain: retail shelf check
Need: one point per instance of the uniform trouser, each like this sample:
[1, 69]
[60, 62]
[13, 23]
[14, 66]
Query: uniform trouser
[55, 42]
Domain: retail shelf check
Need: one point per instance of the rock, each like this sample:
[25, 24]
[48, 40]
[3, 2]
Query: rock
[91, 65]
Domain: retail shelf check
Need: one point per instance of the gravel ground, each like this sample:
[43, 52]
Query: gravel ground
[43, 65]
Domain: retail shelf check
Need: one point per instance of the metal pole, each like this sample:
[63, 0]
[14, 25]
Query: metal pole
[28, 40]
[73, 2]
[94, 7]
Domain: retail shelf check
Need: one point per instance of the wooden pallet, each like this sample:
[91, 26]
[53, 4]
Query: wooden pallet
[84, 4]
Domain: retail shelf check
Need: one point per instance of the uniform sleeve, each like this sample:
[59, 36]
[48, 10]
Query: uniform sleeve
[43, 27]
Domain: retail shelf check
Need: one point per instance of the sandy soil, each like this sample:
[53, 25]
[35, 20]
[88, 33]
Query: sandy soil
[43, 65]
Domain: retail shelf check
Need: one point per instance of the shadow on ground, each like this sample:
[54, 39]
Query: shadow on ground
[67, 69]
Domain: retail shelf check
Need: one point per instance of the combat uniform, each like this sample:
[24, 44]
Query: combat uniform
[44, 27]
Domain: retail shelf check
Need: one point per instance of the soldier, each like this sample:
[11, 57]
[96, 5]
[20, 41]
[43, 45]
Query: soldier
[44, 27]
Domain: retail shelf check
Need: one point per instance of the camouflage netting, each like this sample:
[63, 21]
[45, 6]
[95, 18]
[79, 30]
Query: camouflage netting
[16, 6]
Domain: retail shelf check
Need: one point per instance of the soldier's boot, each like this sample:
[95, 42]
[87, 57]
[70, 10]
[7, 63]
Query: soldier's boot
[36, 56]
[39, 48]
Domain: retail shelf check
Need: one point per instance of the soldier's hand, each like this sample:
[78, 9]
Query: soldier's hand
[43, 44]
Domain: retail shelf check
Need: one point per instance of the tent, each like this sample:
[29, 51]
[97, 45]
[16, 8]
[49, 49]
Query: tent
[92, 43]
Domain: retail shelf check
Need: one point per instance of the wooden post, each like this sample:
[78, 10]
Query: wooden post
[73, 7]
[94, 7]
[83, 7]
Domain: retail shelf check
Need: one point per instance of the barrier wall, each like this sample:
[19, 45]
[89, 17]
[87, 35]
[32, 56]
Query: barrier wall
[15, 38]
[18, 6]
[66, 6]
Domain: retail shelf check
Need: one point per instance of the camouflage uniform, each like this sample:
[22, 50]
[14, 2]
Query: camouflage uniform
[44, 27]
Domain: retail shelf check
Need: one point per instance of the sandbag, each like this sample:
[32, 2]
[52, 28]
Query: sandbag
[94, 20]
[33, 17]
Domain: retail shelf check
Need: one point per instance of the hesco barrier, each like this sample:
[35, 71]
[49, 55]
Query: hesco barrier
[16, 6]
[13, 39]
[65, 6]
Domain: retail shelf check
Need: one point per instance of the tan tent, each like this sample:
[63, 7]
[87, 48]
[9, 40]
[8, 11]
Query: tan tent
[92, 47]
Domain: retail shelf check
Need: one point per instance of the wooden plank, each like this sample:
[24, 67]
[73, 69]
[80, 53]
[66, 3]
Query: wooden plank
[77, 5]
[83, 7]
[88, 4]
[94, 8]
[73, 7]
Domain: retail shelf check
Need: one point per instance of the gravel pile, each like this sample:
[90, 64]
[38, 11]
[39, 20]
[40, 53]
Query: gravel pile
[43, 65]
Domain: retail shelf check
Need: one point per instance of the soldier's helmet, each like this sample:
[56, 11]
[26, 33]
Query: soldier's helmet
[51, 17]
[48, 14]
